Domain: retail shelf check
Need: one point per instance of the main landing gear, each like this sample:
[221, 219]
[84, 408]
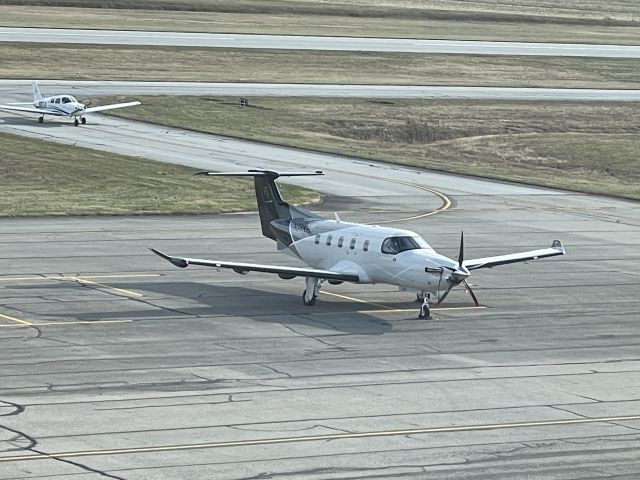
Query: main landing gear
[311, 292]
[41, 119]
[425, 310]
[82, 119]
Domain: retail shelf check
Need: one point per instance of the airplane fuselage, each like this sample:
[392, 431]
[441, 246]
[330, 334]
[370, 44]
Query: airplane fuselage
[63, 104]
[376, 254]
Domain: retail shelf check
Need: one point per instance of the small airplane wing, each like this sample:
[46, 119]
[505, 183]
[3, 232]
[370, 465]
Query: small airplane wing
[244, 268]
[110, 107]
[488, 262]
[40, 111]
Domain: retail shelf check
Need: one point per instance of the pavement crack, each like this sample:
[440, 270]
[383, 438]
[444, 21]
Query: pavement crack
[275, 370]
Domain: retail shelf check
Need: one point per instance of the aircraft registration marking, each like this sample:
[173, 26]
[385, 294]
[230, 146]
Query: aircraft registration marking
[312, 438]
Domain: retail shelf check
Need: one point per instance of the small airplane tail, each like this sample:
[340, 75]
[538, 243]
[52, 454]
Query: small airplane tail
[275, 213]
[37, 96]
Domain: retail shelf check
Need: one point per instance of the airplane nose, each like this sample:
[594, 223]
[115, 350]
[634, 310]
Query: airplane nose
[460, 274]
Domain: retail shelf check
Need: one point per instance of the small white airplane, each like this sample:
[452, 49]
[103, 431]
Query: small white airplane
[337, 251]
[60, 106]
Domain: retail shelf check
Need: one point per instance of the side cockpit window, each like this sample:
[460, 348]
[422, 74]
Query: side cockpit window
[394, 245]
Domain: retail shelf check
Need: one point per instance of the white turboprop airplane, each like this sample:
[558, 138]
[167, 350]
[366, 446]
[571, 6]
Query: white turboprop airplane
[337, 251]
[60, 106]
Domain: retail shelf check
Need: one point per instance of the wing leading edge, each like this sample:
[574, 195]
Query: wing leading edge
[488, 262]
[243, 268]
[40, 111]
[110, 107]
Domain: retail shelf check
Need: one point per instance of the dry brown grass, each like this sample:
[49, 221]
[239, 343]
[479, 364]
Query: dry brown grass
[591, 147]
[30, 61]
[539, 21]
[43, 178]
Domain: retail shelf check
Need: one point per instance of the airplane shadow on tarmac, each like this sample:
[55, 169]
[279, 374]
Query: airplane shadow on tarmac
[192, 300]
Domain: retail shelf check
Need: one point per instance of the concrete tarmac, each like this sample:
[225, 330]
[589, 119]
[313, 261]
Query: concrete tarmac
[117, 365]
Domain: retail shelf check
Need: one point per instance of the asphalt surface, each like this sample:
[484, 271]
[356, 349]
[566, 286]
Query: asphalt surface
[292, 42]
[20, 91]
[116, 364]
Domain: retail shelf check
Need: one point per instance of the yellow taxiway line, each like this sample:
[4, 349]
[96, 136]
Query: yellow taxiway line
[93, 277]
[24, 323]
[446, 201]
[84, 281]
[14, 319]
[387, 309]
[315, 438]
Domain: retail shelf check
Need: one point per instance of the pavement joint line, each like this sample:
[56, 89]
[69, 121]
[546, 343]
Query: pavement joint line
[311, 438]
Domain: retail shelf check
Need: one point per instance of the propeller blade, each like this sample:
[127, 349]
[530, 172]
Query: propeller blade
[473, 295]
[444, 295]
[461, 254]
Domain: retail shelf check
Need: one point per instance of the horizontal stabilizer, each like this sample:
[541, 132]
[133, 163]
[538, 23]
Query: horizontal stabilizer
[262, 173]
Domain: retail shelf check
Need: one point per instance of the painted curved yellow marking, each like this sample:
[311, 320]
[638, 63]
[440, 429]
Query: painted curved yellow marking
[446, 201]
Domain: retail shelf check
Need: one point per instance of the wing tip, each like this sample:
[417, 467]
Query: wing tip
[557, 244]
[177, 261]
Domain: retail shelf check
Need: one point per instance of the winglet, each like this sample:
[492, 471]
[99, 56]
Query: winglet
[177, 261]
[557, 244]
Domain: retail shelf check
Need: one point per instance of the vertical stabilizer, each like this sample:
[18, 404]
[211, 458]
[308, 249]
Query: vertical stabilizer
[37, 96]
[275, 214]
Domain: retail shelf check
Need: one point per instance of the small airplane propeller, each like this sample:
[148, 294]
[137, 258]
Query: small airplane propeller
[458, 277]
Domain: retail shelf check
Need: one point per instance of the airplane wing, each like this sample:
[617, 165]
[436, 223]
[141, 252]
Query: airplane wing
[110, 107]
[489, 262]
[40, 111]
[244, 268]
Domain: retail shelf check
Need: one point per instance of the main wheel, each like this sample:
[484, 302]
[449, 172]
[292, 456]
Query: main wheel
[83, 120]
[40, 119]
[309, 303]
[76, 122]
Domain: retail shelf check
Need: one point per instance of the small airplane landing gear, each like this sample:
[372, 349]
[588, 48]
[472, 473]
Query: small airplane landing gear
[425, 311]
[310, 294]
[40, 119]
[83, 120]
[76, 122]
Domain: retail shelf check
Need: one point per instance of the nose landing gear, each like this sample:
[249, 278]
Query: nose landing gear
[425, 310]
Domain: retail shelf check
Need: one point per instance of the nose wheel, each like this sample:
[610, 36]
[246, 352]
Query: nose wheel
[425, 310]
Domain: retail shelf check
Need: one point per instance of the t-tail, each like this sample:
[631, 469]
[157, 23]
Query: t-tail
[279, 220]
[37, 96]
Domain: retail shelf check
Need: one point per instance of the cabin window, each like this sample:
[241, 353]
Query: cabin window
[317, 239]
[353, 243]
[393, 245]
[365, 246]
[329, 238]
[57, 100]
[340, 241]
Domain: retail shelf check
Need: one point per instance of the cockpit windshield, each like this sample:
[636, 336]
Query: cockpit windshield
[68, 99]
[393, 245]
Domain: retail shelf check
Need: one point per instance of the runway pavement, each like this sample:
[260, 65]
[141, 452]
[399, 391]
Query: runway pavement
[20, 91]
[117, 365]
[293, 42]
